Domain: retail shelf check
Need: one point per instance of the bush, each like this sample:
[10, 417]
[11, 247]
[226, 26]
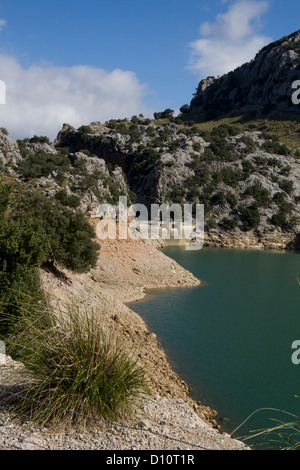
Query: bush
[68, 234]
[208, 156]
[196, 146]
[279, 219]
[229, 176]
[70, 201]
[35, 230]
[228, 224]
[272, 146]
[250, 217]
[250, 145]
[134, 133]
[231, 199]
[279, 198]
[39, 140]
[248, 168]
[218, 198]
[144, 162]
[286, 185]
[23, 248]
[43, 164]
[80, 367]
[85, 130]
[220, 147]
[284, 220]
[260, 194]
[166, 114]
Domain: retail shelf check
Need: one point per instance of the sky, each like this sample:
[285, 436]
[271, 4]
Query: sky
[76, 61]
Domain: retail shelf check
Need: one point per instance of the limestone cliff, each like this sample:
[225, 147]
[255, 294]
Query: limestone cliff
[261, 87]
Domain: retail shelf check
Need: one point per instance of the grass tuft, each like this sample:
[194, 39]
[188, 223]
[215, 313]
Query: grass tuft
[77, 366]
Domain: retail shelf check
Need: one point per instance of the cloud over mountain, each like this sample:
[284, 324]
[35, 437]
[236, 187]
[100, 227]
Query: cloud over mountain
[41, 98]
[231, 40]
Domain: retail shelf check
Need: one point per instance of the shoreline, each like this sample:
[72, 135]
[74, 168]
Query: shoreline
[126, 270]
[125, 273]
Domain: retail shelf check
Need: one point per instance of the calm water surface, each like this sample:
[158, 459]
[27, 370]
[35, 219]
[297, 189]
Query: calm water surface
[231, 337]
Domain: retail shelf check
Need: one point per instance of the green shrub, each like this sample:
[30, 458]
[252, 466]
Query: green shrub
[218, 198]
[248, 168]
[35, 230]
[279, 198]
[260, 194]
[166, 114]
[134, 133]
[272, 146]
[225, 130]
[85, 130]
[228, 224]
[176, 195]
[39, 139]
[220, 147]
[68, 234]
[211, 223]
[279, 219]
[208, 156]
[229, 176]
[196, 146]
[231, 199]
[43, 164]
[286, 185]
[250, 217]
[250, 145]
[184, 109]
[70, 201]
[23, 248]
[144, 161]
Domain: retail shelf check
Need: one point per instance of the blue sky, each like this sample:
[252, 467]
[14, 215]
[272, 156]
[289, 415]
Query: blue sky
[74, 61]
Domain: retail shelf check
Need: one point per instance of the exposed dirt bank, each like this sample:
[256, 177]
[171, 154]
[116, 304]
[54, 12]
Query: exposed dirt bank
[125, 270]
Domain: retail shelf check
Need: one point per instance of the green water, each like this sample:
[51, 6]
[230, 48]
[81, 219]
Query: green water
[231, 337]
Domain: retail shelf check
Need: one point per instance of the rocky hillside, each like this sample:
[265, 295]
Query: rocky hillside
[244, 170]
[262, 87]
[246, 174]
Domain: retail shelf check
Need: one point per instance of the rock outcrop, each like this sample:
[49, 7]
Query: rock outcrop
[261, 87]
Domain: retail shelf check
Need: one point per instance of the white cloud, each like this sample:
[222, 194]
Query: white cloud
[2, 23]
[230, 41]
[43, 97]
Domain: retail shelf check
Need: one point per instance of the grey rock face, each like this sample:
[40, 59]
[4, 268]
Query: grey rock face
[9, 150]
[262, 87]
[247, 179]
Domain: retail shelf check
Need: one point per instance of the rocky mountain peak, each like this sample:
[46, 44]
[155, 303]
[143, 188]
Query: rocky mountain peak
[259, 88]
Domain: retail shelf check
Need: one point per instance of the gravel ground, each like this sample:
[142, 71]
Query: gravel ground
[160, 423]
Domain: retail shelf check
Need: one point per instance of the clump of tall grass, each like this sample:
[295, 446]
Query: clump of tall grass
[284, 435]
[78, 367]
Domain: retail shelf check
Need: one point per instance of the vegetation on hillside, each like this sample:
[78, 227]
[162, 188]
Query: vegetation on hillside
[75, 362]
[35, 230]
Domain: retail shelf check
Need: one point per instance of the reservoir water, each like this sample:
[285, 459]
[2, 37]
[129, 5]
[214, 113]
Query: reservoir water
[231, 338]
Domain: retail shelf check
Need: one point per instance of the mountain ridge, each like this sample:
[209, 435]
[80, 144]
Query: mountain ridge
[259, 88]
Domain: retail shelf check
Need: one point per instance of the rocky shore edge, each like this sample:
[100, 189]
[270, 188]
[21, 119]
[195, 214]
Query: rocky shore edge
[124, 272]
